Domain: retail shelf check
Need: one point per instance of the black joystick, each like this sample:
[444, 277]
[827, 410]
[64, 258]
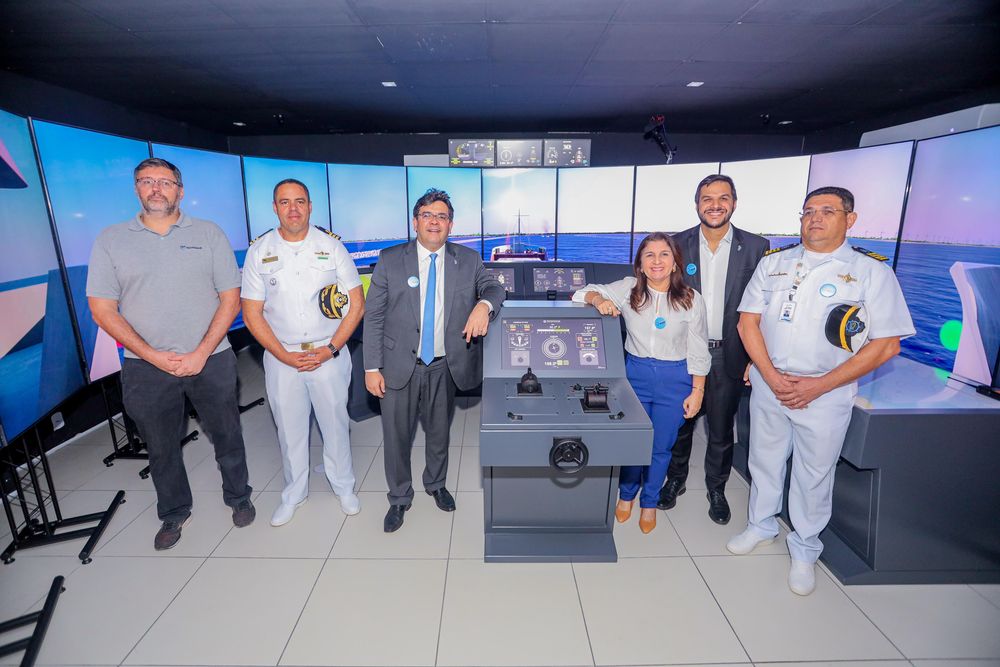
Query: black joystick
[529, 385]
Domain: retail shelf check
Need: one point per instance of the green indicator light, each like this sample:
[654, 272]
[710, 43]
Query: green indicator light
[950, 332]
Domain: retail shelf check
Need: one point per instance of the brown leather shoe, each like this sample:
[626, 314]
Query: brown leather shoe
[647, 519]
[623, 510]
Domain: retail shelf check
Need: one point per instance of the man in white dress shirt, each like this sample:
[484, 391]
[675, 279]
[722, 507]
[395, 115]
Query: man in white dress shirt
[302, 300]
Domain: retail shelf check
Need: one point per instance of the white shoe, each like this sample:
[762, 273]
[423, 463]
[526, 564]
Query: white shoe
[350, 504]
[284, 513]
[746, 542]
[802, 577]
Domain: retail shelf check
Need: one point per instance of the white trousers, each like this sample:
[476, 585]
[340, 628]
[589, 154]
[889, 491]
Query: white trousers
[813, 437]
[293, 396]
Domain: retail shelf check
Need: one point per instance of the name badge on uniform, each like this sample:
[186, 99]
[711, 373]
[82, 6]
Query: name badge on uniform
[269, 258]
[787, 311]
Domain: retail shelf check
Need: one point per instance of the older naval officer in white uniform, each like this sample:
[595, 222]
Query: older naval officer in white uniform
[302, 299]
[804, 318]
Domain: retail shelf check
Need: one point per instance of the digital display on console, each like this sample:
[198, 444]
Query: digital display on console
[558, 278]
[553, 343]
[471, 152]
[519, 152]
[504, 276]
[567, 152]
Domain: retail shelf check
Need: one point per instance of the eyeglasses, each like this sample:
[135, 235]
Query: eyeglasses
[427, 216]
[164, 183]
[825, 212]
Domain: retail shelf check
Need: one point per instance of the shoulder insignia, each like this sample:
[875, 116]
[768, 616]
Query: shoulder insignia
[786, 247]
[262, 236]
[327, 232]
[870, 253]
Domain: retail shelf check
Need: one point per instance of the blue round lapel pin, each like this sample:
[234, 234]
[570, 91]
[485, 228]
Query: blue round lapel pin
[692, 269]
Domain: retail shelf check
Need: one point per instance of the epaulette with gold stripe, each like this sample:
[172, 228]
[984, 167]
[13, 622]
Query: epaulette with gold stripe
[870, 253]
[262, 235]
[786, 247]
[327, 232]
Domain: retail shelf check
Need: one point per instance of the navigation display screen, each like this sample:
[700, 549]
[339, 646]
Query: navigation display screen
[558, 278]
[567, 152]
[504, 276]
[553, 343]
[471, 152]
[519, 152]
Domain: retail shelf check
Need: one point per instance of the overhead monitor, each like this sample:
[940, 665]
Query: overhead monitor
[39, 359]
[519, 214]
[553, 343]
[519, 152]
[89, 176]
[368, 208]
[471, 152]
[260, 175]
[563, 279]
[567, 152]
[595, 214]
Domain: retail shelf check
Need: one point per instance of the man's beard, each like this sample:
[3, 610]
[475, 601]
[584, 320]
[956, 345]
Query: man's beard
[722, 223]
[164, 207]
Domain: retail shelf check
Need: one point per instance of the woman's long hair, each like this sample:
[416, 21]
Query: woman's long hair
[678, 293]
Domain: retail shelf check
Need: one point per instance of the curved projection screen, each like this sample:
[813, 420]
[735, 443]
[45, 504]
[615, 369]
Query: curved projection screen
[949, 258]
[368, 208]
[213, 190]
[519, 213]
[260, 175]
[465, 189]
[38, 358]
[90, 184]
[769, 196]
[595, 214]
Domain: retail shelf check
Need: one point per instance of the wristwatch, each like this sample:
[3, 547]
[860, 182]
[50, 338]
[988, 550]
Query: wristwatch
[334, 351]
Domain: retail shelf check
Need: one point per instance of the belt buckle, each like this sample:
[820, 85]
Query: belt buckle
[305, 347]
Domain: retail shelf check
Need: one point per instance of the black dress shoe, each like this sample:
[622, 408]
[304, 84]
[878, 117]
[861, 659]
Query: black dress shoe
[669, 493]
[394, 518]
[443, 499]
[718, 508]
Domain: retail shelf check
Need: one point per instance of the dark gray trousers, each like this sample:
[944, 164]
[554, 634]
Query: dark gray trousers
[430, 397]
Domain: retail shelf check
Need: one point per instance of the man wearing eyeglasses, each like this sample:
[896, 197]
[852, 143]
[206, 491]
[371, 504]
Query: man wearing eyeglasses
[166, 286]
[805, 318]
[429, 303]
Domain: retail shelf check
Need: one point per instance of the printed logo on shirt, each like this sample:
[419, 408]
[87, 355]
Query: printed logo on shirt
[191, 247]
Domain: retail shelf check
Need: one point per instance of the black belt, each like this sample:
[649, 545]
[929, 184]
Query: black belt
[712, 344]
[421, 361]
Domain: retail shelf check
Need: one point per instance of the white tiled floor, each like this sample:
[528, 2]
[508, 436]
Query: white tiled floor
[333, 590]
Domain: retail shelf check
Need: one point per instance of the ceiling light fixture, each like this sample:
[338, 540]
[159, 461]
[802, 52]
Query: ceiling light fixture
[389, 84]
[239, 123]
[784, 122]
[695, 84]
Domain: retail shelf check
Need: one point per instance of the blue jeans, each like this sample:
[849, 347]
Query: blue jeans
[661, 387]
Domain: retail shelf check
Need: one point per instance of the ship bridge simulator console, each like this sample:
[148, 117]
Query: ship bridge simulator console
[558, 420]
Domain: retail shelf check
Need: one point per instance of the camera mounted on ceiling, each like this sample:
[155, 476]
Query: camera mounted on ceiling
[656, 130]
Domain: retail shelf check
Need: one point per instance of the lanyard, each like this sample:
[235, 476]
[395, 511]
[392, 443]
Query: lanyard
[800, 275]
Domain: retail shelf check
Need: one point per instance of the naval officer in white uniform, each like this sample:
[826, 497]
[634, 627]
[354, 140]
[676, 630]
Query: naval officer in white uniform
[804, 319]
[302, 299]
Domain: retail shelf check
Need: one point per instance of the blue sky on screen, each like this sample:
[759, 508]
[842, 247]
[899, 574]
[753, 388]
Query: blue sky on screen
[262, 174]
[462, 185]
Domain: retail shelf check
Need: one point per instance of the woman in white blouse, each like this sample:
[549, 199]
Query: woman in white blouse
[666, 361]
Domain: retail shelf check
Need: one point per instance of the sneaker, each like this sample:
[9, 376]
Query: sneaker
[244, 513]
[350, 504]
[802, 577]
[285, 512]
[169, 534]
[746, 542]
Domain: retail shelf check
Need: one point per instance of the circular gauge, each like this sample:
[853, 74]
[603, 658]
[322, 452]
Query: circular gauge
[554, 348]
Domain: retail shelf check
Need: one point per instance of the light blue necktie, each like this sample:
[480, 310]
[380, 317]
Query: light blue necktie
[427, 330]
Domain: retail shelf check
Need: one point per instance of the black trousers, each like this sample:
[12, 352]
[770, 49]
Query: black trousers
[155, 402]
[722, 397]
[430, 397]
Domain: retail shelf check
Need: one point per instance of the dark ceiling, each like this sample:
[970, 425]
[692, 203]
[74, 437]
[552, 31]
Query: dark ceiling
[308, 66]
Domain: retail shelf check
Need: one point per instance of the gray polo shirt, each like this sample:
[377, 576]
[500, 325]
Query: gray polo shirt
[167, 287]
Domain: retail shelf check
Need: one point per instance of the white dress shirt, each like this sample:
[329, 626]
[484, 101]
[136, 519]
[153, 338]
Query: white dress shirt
[424, 267]
[714, 266]
[683, 336]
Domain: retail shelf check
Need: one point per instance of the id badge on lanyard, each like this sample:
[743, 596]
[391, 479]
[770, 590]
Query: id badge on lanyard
[787, 312]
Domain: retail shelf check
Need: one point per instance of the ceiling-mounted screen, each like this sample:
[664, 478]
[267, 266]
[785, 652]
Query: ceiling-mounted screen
[949, 257]
[769, 196]
[213, 190]
[89, 176]
[519, 152]
[39, 364]
[471, 152]
[260, 175]
[567, 152]
[368, 208]
[519, 214]
[595, 214]
[464, 188]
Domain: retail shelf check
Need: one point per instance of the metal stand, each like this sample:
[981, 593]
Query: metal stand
[38, 530]
[33, 644]
[251, 405]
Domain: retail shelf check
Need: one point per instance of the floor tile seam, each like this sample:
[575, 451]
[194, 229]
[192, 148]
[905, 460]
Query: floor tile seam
[298, 619]
[163, 611]
[444, 596]
[980, 594]
[865, 614]
[722, 611]
[583, 613]
[37, 602]
[368, 471]
[395, 558]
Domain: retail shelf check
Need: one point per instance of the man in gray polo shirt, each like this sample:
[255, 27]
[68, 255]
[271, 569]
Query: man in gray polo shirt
[166, 286]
